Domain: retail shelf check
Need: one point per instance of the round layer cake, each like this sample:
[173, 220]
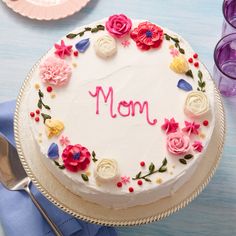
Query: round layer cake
[122, 111]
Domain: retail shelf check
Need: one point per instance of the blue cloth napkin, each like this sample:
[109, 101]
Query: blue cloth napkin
[19, 216]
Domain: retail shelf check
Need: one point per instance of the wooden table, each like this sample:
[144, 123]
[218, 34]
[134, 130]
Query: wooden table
[24, 41]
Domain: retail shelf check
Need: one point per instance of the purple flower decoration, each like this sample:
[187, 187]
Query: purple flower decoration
[82, 45]
[53, 151]
[184, 85]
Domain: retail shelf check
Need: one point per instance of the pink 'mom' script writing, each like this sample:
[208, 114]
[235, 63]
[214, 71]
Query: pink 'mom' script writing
[130, 106]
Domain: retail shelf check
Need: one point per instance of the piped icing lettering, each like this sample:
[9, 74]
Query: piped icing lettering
[124, 108]
[99, 90]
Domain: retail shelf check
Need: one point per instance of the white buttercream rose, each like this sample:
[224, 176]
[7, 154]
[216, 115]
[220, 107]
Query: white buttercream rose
[106, 170]
[196, 104]
[105, 46]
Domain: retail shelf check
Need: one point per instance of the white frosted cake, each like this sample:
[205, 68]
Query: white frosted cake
[122, 111]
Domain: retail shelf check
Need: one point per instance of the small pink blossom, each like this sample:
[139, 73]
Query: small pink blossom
[55, 71]
[174, 52]
[170, 126]
[64, 140]
[125, 43]
[191, 127]
[62, 50]
[125, 179]
[197, 146]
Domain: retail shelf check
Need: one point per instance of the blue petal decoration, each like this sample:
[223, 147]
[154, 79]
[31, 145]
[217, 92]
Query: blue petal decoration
[184, 85]
[53, 151]
[82, 45]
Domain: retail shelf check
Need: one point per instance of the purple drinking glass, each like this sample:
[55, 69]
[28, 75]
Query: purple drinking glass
[225, 65]
[229, 11]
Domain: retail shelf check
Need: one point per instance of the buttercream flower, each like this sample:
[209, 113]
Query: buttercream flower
[174, 52]
[105, 46]
[196, 104]
[118, 25]
[54, 71]
[53, 127]
[197, 146]
[76, 157]
[64, 140]
[178, 143]
[125, 179]
[191, 127]
[106, 170]
[179, 64]
[62, 50]
[147, 35]
[170, 126]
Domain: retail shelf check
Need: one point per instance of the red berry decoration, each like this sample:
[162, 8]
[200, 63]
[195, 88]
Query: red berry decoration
[142, 163]
[49, 89]
[37, 119]
[190, 60]
[140, 182]
[119, 184]
[37, 111]
[76, 53]
[32, 114]
[195, 56]
[131, 189]
[196, 64]
[205, 122]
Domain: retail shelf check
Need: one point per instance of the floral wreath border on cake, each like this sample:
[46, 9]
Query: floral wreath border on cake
[55, 72]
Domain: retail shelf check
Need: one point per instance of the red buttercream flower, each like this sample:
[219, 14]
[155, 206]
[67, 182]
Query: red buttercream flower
[147, 35]
[76, 157]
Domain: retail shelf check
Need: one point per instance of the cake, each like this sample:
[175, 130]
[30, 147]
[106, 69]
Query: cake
[122, 111]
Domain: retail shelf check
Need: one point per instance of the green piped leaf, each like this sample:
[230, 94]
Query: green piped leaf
[94, 159]
[164, 162]
[45, 117]
[189, 73]
[181, 50]
[183, 161]
[188, 156]
[151, 167]
[85, 177]
[71, 36]
[40, 94]
[200, 75]
[162, 169]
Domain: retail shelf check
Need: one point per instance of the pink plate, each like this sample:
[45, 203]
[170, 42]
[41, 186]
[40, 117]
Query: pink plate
[46, 9]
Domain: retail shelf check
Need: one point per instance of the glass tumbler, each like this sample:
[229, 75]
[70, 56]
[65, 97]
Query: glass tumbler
[229, 12]
[225, 65]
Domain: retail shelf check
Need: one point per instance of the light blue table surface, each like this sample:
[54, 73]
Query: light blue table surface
[24, 41]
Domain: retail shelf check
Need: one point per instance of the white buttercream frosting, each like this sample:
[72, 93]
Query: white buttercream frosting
[134, 76]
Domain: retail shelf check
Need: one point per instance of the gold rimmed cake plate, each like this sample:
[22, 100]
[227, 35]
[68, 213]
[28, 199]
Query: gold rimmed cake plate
[55, 192]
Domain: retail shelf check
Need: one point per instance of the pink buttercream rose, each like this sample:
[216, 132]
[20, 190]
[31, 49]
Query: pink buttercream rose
[76, 157]
[55, 71]
[118, 25]
[178, 143]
